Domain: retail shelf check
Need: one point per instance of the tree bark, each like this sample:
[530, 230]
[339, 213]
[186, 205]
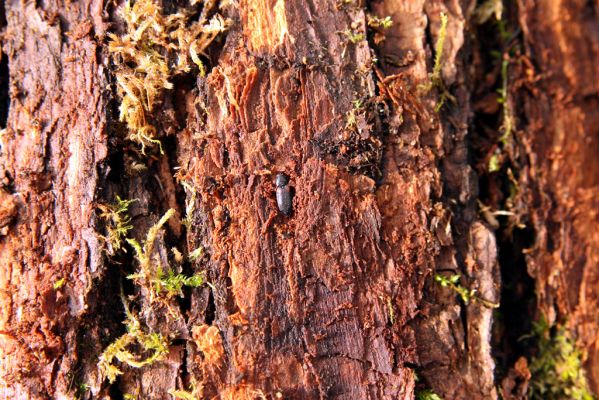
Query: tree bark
[561, 179]
[337, 299]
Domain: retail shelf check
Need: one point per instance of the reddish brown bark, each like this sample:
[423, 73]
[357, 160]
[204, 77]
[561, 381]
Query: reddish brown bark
[561, 138]
[53, 144]
[336, 300]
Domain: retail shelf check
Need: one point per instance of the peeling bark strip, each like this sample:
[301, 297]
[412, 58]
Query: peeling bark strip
[330, 296]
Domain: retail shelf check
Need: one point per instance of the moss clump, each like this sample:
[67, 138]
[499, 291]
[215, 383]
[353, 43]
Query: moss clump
[190, 202]
[435, 78]
[153, 49]
[376, 27]
[377, 22]
[427, 394]
[194, 394]
[118, 222]
[148, 262]
[153, 343]
[152, 274]
[508, 119]
[353, 114]
[172, 284]
[59, 283]
[556, 370]
[196, 254]
[467, 295]
[354, 36]
[151, 347]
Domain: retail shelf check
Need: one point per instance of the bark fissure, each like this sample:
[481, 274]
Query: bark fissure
[4, 90]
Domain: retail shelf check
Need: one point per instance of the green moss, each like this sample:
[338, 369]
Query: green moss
[148, 263]
[59, 283]
[467, 295]
[120, 350]
[508, 120]
[80, 391]
[390, 311]
[494, 163]
[557, 371]
[172, 284]
[435, 77]
[194, 393]
[196, 254]
[161, 280]
[353, 36]
[138, 348]
[189, 203]
[427, 394]
[182, 394]
[452, 282]
[352, 116]
[118, 222]
[383, 23]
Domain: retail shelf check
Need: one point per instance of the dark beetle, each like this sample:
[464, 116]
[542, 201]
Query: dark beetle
[283, 194]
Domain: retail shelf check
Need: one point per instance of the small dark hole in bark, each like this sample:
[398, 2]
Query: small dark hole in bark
[2, 15]
[179, 342]
[4, 98]
[210, 309]
[116, 166]
[115, 390]
[185, 376]
[185, 301]
[225, 158]
[184, 84]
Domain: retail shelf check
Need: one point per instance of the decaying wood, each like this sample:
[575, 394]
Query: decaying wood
[54, 141]
[561, 183]
[335, 300]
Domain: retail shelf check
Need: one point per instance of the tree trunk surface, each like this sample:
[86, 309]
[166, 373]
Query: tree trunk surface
[338, 299]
